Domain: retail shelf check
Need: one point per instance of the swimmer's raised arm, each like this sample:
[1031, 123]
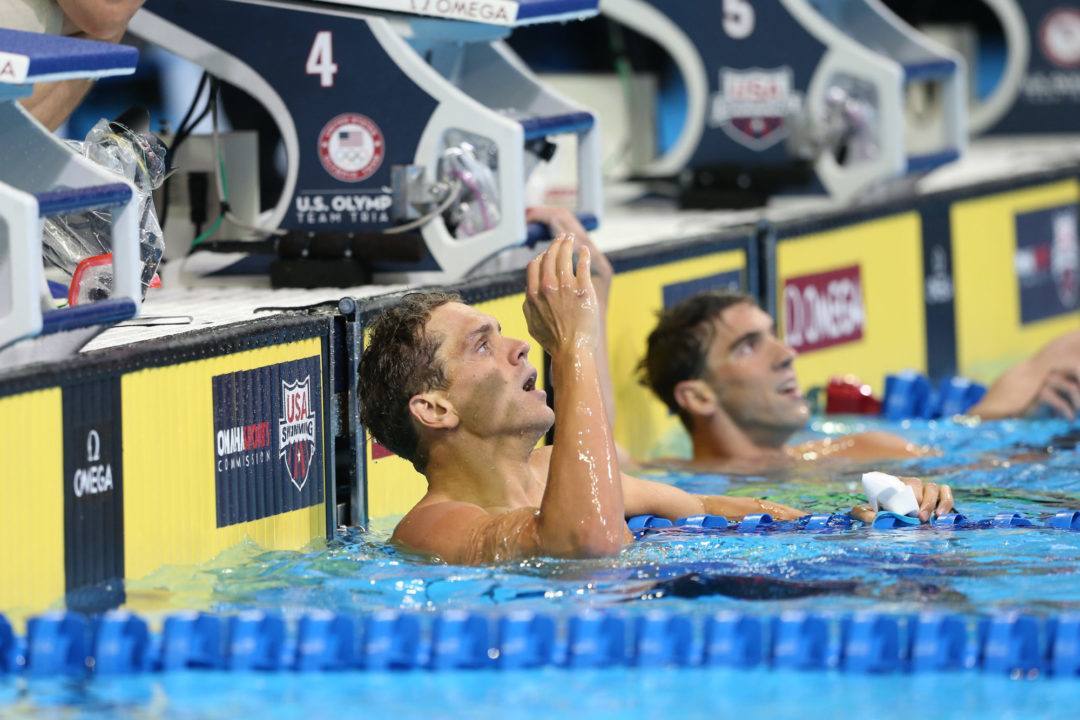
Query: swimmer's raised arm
[561, 221]
[1051, 377]
[644, 497]
[582, 509]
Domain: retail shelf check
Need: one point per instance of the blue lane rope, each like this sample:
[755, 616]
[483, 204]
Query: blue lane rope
[120, 643]
[649, 525]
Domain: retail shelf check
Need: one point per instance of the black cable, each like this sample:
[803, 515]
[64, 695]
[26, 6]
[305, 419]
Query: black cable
[183, 130]
[183, 135]
[198, 93]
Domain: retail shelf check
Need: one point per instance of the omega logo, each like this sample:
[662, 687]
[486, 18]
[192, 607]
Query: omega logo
[96, 477]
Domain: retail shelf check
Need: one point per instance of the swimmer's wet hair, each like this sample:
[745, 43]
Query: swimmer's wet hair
[678, 347]
[398, 363]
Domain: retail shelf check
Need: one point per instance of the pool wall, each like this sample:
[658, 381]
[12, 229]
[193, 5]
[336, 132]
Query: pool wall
[162, 453]
[989, 265]
[168, 451]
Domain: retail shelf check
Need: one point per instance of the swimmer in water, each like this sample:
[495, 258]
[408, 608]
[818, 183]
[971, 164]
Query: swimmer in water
[716, 362]
[441, 386]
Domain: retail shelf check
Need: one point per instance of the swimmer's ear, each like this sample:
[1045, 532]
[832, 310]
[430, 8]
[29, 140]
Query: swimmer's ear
[433, 410]
[695, 397]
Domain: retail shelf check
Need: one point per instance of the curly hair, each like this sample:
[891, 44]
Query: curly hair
[678, 347]
[398, 363]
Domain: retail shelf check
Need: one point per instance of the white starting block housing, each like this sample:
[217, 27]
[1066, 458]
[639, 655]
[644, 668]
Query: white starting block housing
[41, 177]
[369, 101]
[1037, 93]
[768, 81]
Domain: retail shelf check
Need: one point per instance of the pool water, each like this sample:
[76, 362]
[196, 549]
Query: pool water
[1030, 467]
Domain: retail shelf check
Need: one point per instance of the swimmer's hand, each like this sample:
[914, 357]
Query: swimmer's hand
[1048, 379]
[1024, 389]
[1060, 391]
[561, 307]
[933, 499]
[863, 513]
[563, 222]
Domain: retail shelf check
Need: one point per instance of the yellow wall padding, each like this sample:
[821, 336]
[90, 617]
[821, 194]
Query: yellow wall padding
[888, 253]
[32, 511]
[169, 457]
[989, 334]
[642, 422]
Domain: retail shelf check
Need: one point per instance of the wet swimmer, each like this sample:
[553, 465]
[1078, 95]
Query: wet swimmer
[715, 361]
[441, 386]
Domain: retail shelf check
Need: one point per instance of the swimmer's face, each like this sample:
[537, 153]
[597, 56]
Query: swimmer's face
[492, 387]
[752, 374]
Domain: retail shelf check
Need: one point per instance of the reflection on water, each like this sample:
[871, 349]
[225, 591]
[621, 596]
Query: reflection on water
[1027, 467]
[540, 695]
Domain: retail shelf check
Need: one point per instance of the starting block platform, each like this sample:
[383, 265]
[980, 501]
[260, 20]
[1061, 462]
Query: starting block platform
[235, 407]
[41, 177]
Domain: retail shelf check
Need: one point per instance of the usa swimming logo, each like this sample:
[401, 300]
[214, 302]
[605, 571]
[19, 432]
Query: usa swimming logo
[296, 430]
[752, 105]
[1047, 262]
[268, 444]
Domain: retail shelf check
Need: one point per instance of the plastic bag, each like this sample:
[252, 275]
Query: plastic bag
[477, 207]
[80, 243]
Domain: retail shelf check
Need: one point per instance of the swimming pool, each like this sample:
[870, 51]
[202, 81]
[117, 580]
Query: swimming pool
[1029, 467]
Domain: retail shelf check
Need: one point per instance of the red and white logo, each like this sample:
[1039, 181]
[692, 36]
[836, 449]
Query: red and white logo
[824, 309]
[296, 430]
[1057, 260]
[351, 147]
[752, 105]
[1059, 37]
[1065, 258]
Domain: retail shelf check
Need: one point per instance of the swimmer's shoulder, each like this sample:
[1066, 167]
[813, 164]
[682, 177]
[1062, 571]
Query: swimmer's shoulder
[421, 528]
[873, 445]
[884, 444]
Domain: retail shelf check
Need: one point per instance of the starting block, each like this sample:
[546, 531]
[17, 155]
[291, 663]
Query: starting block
[1039, 91]
[41, 177]
[410, 128]
[840, 87]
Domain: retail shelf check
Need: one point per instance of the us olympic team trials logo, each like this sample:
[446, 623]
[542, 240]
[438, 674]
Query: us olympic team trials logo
[351, 147]
[296, 430]
[1059, 37]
